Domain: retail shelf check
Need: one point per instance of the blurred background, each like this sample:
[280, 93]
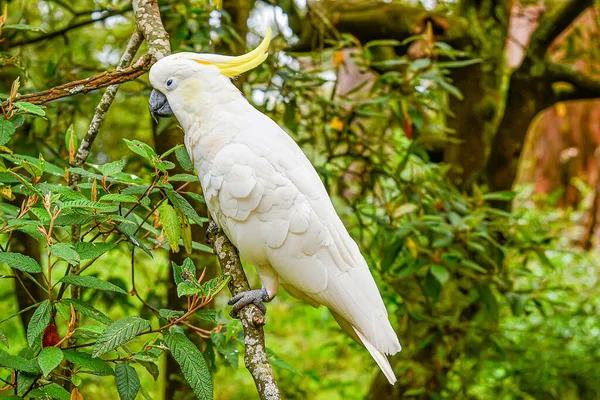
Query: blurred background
[457, 138]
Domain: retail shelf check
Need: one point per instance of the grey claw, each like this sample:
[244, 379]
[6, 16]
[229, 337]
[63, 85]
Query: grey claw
[241, 300]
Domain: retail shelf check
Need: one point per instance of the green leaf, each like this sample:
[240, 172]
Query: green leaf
[187, 289]
[206, 314]
[87, 250]
[71, 134]
[7, 130]
[3, 339]
[506, 195]
[166, 313]
[276, 361]
[30, 108]
[470, 264]
[39, 321]
[184, 206]
[458, 64]
[170, 222]
[215, 285]
[119, 198]
[88, 363]
[128, 382]
[89, 311]
[92, 282]
[183, 158]
[49, 358]
[184, 272]
[50, 391]
[24, 27]
[113, 168]
[183, 178]
[17, 363]
[119, 333]
[65, 252]
[151, 367]
[21, 262]
[440, 273]
[192, 364]
[227, 348]
[88, 204]
[141, 149]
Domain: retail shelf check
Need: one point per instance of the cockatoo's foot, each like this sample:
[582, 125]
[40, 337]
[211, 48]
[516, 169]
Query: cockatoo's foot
[256, 297]
[211, 231]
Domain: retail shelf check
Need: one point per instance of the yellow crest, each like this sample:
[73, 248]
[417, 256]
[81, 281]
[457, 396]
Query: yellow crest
[234, 66]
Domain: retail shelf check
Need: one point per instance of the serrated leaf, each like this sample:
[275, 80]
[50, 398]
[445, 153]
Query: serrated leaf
[119, 333]
[92, 282]
[65, 252]
[88, 363]
[17, 363]
[184, 272]
[187, 289]
[227, 347]
[7, 130]
[440, 273]
[30, 108]
[206, 314]
[39, 321]
[89, 311]
[183, 178]
[170, 222]
[215, 285]
[192, 364]
[184, 206]
[128, 382]
[141, 149]
[20, 262]
[151, 367]
[50, 391]
[119, 198]
[197, 197]
[166, 313]
[183, 158]
[113, 168]
[88, 250]
[88, 204]
[49, 358]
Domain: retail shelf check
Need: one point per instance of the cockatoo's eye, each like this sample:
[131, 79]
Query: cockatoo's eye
[171, 83]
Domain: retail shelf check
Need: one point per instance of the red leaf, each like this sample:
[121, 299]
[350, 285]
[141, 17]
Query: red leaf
[50, 336]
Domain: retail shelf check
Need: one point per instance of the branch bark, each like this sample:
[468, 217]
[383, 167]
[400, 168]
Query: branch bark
[255, 356]
[582, 86]
[140, 67]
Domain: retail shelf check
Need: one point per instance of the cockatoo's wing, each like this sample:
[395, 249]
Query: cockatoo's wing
[275, 209]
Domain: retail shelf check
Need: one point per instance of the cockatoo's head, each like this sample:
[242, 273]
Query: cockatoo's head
[180, 77]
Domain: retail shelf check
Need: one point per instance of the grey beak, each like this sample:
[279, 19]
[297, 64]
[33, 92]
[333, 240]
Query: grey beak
[158, 105]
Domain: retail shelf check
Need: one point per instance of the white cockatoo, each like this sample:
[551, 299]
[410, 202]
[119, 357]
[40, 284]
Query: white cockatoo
[266, 196]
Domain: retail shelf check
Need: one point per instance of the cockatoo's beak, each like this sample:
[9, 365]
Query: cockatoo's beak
[158, 105]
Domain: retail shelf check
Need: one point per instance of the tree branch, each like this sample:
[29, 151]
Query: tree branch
[140, 67]
[255, 356]
[582, 86]
[77, 25]
[553, 24]
[147, 18]
[370, 21]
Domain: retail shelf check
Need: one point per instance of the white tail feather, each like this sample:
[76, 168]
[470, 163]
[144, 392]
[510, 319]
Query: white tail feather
[379, 358]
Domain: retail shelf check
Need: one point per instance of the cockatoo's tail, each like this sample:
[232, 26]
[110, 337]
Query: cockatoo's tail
[266, 196]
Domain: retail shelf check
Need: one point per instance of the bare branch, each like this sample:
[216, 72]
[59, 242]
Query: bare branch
[140, 67]
[553, 24]
[581, 85]
[255, 356]
[63, 31]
